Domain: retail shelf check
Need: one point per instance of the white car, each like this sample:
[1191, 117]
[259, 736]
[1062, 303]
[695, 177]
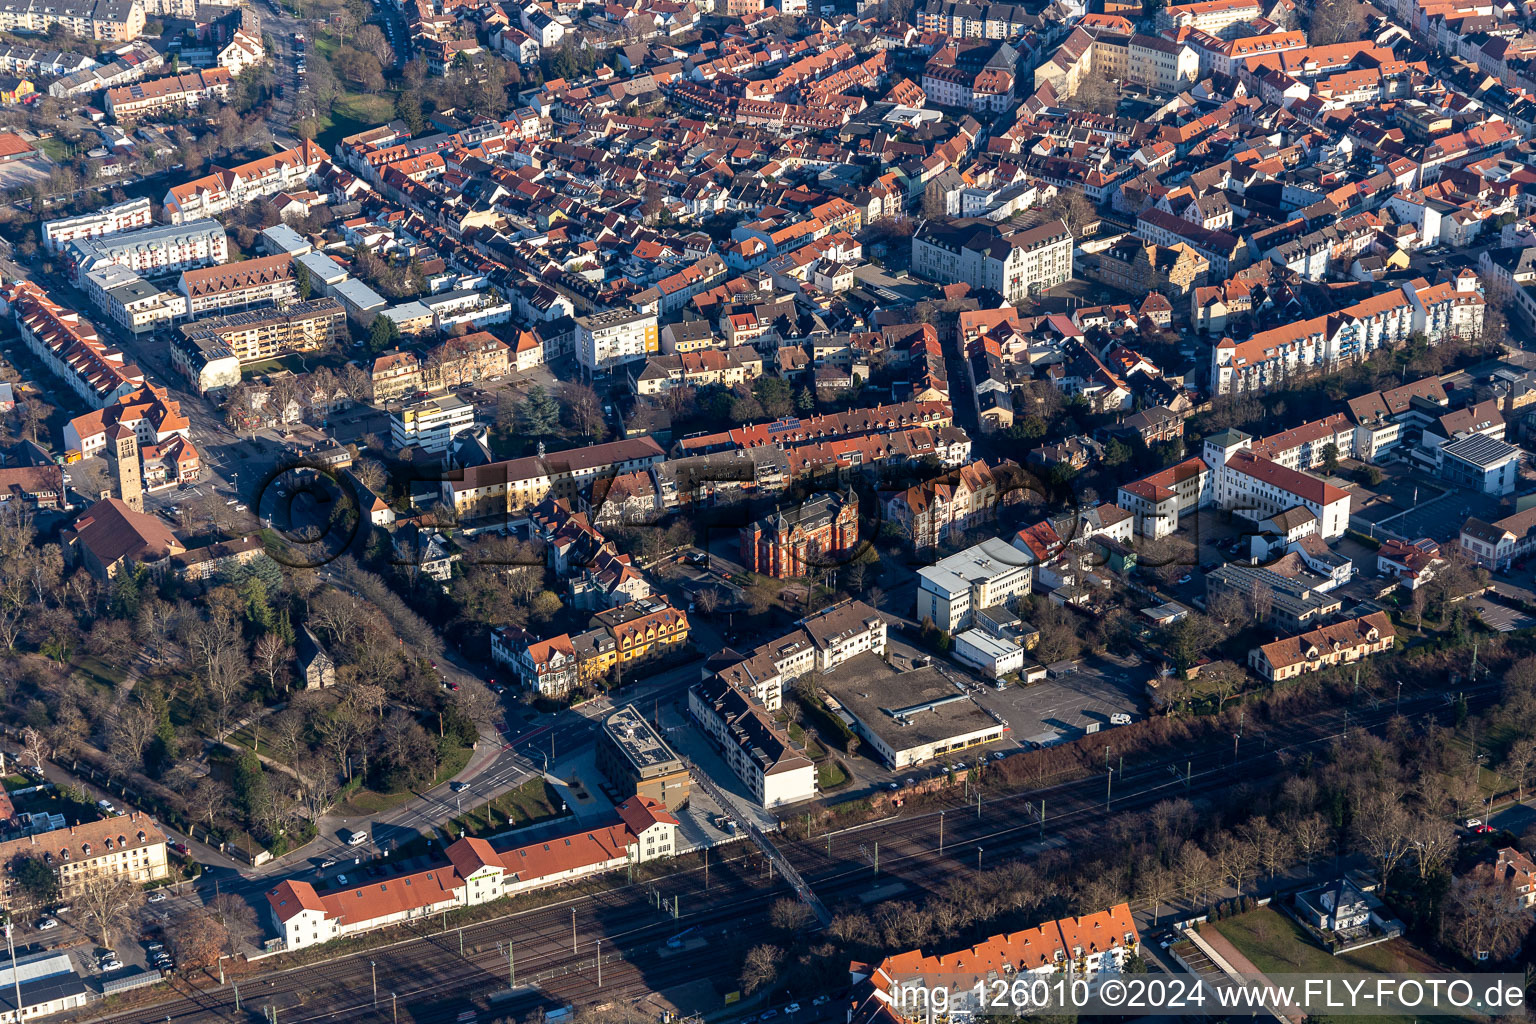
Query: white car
[108, 966]
[157, 897]
[47, 924]
[1474, 822]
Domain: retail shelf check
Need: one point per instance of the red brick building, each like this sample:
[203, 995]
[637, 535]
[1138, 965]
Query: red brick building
[793, 542]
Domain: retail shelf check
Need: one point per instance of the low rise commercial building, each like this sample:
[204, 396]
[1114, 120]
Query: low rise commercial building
[907, 717]
[475, 872]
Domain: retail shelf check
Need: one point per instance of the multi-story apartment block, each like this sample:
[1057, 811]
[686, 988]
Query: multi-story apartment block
[259, 282]
[936, 511]
[635, 757]
[430, 423]
[979, 253]
[1086, 949]
[136, 304]
[127, 216]
[1221, 18]
[151, 250]
[69, 346]
[618, 639]
[469, 359]
[270, 331]
[150, 412]
[128, 846]
[173, 94]
[131, 63]
[502, 488]
[812, 537]
[395, 374]
[605, 340]
[223, 190]
[109, 20]
[1273, 357]
[1230, 476]
[987, 575]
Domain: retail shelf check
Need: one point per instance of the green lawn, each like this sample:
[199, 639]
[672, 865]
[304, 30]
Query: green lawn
[351, 114]
[16, 782]
[533, 801]
[56, 148]
[98, 671]
[1278, 945]
[368, 802]
[830, 775]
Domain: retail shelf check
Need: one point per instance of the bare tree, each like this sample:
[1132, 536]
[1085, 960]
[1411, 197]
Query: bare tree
[272, 657]
[197, 940]
[1312, 836]
[1434, 843]
[1382, 829]
[760, 968]
[107, 903]
[35, 748]
[1485, 920]
[132, 731]
[237, 919]
[1520, 762]
[1157, 885]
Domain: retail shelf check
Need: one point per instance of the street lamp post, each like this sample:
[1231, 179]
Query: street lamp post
[375, 968]
[941, 833]
[978, 860]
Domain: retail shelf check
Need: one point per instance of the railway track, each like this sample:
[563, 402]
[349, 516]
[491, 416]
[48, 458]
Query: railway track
[431, 980]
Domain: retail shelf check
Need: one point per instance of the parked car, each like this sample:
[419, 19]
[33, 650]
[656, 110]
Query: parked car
[1474, 822]
[47, 924]
[341, 879]
[158, 896]
[179, 847]
[108, 966]
[792, 1008]
[329, 862]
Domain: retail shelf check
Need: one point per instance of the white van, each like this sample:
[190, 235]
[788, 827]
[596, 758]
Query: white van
[356, 838]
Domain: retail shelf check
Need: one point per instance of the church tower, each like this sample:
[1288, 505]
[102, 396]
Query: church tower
[123, 447]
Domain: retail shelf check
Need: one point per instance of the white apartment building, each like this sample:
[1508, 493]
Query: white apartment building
[1229, 476]
[135, 213]
[431, 423]
[152, 250]
[257, 282]
[978, 253]
[1161, 64]
[131, 301]
[951, 591]
[604, 340]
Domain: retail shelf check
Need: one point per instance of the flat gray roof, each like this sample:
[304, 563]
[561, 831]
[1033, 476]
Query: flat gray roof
[935, 709]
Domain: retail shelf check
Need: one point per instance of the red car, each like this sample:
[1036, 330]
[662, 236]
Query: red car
[1483, 830]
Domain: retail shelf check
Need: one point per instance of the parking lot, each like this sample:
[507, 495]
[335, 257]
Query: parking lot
[1499, 616]
[1062, 709]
